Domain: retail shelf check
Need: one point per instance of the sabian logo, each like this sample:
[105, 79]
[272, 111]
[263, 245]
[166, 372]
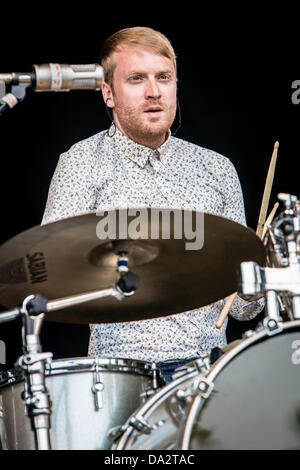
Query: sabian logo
[37, 267]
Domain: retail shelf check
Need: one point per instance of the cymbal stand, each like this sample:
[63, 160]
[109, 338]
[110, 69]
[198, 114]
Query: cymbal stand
[124, 288]
[284, 278]
[33, 362]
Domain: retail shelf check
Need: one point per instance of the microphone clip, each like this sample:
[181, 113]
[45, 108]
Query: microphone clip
[15, 96]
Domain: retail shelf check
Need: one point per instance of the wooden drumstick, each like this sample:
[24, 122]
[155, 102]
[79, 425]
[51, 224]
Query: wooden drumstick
[267, 192]
[260, 226]
[269, 219]
[230, 299]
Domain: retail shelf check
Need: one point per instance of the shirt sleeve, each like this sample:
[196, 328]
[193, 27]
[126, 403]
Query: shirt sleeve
[71, 189]
[234, 208]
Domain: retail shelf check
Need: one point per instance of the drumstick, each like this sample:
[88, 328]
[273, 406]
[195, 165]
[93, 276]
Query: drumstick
[260, 226]
[230, 299]
[269, 219]
[267, 192]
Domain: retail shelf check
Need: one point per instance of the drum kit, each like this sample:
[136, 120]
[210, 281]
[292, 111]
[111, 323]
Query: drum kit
[244, 396]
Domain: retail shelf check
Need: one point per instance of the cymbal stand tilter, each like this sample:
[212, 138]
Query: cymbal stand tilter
[33, 362]
[280, 282]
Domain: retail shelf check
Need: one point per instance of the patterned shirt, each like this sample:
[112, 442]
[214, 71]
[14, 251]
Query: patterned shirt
[104, 172]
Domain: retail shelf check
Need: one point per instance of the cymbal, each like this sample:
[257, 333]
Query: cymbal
[67, 258]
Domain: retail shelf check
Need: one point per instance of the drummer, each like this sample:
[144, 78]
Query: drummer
[138, 162]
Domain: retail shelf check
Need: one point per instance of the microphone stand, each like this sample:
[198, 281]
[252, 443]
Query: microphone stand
[33, 362]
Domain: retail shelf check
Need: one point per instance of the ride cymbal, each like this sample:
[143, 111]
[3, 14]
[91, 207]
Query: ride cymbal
[67, 258]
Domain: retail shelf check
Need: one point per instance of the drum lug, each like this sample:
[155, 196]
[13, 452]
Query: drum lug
[179, 403]
[115, 433]
[139, 424]
[98, 388]
[184, 398]
[150, 392]
[143, 426]
[203, 365]
[203, 387]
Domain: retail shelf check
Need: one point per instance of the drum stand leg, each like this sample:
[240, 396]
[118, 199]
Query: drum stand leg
[36, 396]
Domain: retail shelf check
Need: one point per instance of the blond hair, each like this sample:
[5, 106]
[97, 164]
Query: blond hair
[136, 36]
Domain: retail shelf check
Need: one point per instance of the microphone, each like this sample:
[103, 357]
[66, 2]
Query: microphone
[59, 77]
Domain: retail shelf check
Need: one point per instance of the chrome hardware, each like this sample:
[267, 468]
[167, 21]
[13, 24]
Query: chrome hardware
[138, 423]
[272, 326]
[149, 393]
[141, 425]
[280, 280]
[183, 397]
[33, 362]
[203, 387]
[115, 433]
[248, 334]
[97, 387]
[202, 364]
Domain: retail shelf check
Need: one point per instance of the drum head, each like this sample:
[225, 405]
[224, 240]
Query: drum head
[255, 403]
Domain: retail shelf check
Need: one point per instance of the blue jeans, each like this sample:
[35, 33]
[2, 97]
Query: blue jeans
[167, 368]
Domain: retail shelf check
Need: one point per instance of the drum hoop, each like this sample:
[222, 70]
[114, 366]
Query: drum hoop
[244, 344]
[198, 401]
[145, 409]
[82, 364]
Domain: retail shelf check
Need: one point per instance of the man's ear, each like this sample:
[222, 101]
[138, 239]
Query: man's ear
[107, 95]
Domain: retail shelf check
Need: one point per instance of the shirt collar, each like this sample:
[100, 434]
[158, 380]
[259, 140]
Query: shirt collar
[138, 153]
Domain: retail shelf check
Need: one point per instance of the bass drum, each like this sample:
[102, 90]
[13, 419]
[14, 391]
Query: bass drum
[155, 425]
[248, 399]
[255, 398]
[89, 397]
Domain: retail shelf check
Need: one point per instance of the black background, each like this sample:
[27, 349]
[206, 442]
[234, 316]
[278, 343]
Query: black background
[235, 87]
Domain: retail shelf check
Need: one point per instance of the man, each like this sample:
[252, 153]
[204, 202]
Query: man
[137, 163]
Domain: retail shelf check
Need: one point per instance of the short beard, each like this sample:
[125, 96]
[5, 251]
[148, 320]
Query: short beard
[145, 133]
